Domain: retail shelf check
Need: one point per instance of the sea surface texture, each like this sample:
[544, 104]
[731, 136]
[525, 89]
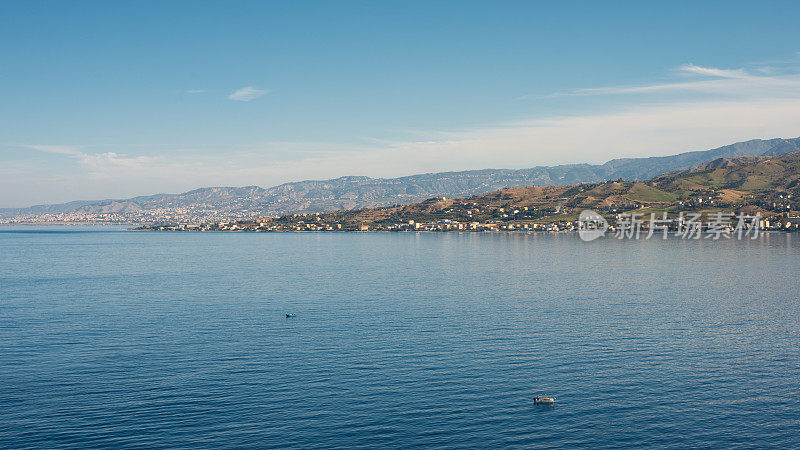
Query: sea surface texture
[127, 339]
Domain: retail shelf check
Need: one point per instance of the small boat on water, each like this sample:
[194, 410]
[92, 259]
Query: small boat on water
[544, 400]
[291, 315]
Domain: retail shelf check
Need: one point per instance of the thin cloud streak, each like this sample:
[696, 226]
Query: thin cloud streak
[714, 72]
[95, 161]
[714, 81]
[57, 149]
[247, 94]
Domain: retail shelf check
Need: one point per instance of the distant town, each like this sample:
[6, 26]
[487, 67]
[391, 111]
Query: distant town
[166, 214]
[523, 219]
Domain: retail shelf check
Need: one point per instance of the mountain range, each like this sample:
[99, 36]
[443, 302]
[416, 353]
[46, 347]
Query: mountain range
[352, 192]
[765, 185]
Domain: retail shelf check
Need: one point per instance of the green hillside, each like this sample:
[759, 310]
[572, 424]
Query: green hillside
[770, 185]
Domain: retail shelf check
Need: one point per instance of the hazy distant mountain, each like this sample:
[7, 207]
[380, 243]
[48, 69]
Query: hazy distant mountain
[767, 185]
[218, 203]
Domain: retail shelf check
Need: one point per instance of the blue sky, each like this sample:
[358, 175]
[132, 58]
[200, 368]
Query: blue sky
[115, 99]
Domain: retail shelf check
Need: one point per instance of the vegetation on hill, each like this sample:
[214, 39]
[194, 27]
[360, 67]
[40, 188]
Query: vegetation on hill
[769, 185]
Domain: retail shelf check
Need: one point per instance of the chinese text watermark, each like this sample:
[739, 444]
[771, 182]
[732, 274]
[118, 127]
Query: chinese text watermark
[591, 225]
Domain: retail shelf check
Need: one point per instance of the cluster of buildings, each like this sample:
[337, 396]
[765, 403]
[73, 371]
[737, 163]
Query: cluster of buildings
[184, 216]
[316, 223]
[321, 222]
[453, 225]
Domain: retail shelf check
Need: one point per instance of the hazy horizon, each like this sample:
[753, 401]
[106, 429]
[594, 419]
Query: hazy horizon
[147, 194]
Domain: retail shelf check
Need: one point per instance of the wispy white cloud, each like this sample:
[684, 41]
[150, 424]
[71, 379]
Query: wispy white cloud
[107, 160]
[195, 91]
[95, 161]
[247, 93]
[58, 149]
[765, 70]
[714, 72]
[713, 81]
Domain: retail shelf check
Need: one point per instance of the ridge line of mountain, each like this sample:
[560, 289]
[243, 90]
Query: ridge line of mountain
[763, 188]
[349, 192]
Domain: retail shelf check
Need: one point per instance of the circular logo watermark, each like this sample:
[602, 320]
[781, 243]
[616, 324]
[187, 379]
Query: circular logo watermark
[591, 225]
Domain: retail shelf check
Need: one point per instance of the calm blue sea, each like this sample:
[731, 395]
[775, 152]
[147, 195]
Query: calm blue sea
[116, 339]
